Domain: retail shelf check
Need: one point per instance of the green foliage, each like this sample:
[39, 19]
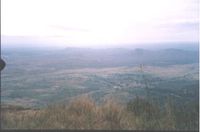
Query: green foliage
[170, 116]
[147, 113]
[141, 106]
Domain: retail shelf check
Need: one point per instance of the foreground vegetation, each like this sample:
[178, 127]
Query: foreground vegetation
[84, 113]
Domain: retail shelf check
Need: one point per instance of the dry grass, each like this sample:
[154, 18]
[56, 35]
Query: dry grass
[83, 113]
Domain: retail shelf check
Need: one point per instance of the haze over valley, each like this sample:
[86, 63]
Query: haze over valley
[103, 64]
[38, 77]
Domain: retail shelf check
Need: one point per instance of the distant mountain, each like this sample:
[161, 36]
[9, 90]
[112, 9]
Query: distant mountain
[112, 57]
[162, 46]
[130, 57]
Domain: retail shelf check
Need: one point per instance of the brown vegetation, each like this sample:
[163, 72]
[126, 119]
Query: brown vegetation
[83, 113]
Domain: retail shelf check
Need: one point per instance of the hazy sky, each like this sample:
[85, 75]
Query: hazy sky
[98, 22]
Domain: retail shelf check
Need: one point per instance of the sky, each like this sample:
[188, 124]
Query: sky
[82, 23]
